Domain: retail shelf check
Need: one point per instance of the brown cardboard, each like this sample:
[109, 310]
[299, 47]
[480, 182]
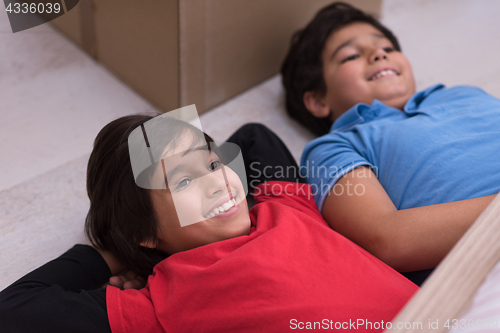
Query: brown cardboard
[139, 42]
[228, 46]
[181, 52]
[69, 24]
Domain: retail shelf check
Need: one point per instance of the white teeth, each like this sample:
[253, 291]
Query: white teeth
[384, 73]
[221, 209]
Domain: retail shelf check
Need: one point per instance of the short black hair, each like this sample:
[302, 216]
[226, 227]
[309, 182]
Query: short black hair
[302, 69]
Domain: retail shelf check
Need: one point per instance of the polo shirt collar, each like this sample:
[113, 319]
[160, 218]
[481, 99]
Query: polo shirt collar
[353, 116]
[349, 118]
[415, 100]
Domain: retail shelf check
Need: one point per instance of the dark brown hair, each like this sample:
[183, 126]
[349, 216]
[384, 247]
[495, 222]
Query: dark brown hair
[302, 69]
[121, 214]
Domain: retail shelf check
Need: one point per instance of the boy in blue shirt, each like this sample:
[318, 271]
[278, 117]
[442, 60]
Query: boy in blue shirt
[402, 174]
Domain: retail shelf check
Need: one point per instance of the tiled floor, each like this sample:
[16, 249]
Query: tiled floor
[54, 99]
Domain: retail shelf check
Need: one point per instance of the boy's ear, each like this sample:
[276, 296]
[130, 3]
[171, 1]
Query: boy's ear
[149, 244]
[316, 104]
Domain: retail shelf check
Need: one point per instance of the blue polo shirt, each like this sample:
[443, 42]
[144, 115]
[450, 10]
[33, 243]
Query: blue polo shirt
[444, 146]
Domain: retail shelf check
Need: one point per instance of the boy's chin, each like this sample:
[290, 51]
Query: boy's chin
[397, 102]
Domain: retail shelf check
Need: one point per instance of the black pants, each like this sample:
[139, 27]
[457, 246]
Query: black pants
[265, 156]
[64, 296]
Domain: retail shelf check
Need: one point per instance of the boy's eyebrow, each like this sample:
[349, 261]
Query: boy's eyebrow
[175, 170]
[187, 151]
[341, 46]
[349, 42]
[195, 149]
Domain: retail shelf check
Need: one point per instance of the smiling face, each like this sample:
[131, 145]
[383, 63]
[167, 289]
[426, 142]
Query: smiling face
[359, 65]
[198, 207]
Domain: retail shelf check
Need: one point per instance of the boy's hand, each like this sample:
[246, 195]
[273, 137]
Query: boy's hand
[121, 277]
[127, 280]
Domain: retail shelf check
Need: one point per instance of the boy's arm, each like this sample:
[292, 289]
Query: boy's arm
[60, 296]
[407, 240]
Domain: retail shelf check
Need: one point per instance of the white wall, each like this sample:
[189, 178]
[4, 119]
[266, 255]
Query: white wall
[449, 41]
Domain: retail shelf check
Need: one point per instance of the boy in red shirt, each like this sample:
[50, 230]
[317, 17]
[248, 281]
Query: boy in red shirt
[276, 268]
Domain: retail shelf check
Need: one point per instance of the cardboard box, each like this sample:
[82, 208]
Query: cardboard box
[181, 52]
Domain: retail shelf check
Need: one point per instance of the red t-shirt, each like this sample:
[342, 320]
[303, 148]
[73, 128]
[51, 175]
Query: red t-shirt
[292, 271]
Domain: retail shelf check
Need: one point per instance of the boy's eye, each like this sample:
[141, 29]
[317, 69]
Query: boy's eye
[183, 184]
[215, 165]
[349, 58]
[388, 49]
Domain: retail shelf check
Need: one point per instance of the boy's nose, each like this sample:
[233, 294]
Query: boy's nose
[214, 182]
[378, 54]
